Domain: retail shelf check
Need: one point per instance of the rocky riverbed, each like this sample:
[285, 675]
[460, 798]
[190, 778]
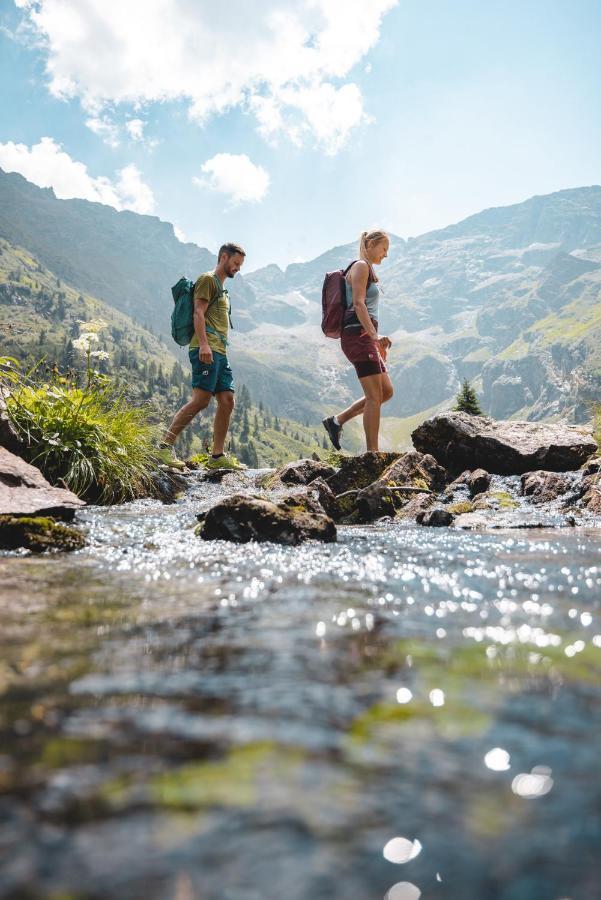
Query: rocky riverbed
[402, 712]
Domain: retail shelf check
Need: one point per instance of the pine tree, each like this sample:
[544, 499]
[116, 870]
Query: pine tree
[467, 401]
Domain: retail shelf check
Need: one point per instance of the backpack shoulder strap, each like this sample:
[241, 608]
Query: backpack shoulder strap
[370, 276]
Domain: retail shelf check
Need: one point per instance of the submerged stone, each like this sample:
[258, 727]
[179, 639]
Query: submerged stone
[38, 534]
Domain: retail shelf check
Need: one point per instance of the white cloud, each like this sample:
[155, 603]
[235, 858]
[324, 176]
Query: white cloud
[234, 175]
[287, 61]
[135, 129]
[105, 129]
[48, 165]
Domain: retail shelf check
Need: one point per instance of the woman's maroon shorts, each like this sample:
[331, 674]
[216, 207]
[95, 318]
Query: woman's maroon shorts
[362, 351]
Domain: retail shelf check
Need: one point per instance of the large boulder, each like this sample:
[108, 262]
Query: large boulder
[244, 518]
[25, 492]
[460, 441]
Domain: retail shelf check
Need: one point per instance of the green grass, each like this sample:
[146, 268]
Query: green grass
[87, 438]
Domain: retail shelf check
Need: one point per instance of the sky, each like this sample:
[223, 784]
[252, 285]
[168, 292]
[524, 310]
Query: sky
[290, 126]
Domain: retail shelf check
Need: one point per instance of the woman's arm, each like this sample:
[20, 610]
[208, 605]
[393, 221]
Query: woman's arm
[359, 279]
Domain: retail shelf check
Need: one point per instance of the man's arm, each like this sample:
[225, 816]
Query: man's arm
[205, 354]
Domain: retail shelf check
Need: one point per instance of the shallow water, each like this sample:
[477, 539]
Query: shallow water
[409, 710]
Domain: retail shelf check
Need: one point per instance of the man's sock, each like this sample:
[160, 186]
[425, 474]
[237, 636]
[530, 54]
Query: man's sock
[216, 455]
[336, 422]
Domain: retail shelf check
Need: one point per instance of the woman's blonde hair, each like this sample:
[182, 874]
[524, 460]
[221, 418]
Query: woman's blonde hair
[367, 238]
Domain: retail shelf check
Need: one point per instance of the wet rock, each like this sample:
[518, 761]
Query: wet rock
[458, 441]
[326, 498]
[289, 521]
[38, 534]
[438, 517]
[592, 466]
[25, 492]
[590, 493]
[478, 482]
[303, 471]
[411, 473]
[418, 503]
[356, 472]
[543, 487]
[169, 484]
[494, 500]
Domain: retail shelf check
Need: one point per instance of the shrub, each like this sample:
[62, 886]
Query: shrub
[87, 438]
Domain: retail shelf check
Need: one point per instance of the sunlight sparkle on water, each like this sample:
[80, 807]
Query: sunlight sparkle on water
[401, 850]
[497, 759]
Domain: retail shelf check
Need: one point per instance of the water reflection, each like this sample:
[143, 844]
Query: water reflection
[281, 717]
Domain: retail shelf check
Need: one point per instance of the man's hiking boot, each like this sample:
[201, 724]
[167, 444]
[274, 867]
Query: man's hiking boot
[334, 431]
[167, 456]
[225, 461]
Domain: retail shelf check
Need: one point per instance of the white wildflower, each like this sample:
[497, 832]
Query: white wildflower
[85, 340]
[99, 354]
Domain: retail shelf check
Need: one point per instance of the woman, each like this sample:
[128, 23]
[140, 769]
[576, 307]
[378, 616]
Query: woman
[360, 341]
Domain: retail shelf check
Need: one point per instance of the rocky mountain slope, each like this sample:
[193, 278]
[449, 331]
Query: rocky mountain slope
[510, 298]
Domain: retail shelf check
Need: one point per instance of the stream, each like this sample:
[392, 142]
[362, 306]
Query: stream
[410, 712]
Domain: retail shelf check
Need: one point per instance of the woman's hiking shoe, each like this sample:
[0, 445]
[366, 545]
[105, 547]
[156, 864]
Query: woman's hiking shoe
[334, 431]
[225, 461]
[167, 456]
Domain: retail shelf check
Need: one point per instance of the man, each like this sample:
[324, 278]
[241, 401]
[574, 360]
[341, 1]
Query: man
[211, 373]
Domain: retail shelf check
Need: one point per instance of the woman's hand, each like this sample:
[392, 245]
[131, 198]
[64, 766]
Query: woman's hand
[385, 342]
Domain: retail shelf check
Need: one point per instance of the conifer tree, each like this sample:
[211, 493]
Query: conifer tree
[467, 401]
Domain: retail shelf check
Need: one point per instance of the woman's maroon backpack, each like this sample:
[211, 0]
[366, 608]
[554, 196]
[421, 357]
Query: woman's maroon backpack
[333, 301]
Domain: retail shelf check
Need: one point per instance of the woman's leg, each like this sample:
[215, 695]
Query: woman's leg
[372, 388]
[356, 408]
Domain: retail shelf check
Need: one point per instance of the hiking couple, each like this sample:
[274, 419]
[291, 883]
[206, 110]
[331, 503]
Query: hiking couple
[212, 375]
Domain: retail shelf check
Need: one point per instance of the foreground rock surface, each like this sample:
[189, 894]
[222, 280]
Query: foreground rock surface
[25, 492]
[459, 441]
[245, 518]
[411, 474]
[38, 534]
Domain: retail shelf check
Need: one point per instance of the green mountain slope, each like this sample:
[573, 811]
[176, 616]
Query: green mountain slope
[40, 315]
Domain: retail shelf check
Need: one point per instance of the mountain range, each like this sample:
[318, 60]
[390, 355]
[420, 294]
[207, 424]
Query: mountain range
[509, 298]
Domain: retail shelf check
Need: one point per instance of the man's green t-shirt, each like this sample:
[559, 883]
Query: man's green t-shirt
[207, 288]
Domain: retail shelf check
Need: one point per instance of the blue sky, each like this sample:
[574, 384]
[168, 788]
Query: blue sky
[292, 126]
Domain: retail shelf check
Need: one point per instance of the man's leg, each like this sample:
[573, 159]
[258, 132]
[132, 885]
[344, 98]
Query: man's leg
[225, 406]
[200, 400]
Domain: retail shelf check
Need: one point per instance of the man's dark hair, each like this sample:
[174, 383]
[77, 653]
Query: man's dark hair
[230, 249]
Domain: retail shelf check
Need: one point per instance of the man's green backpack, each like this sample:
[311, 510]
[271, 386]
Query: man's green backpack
[182, 317]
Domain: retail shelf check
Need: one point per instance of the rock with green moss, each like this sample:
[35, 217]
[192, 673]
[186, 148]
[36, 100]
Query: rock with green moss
[410, 474]
[38, 534]
[243, 518]
[356, 472]
[492, 500]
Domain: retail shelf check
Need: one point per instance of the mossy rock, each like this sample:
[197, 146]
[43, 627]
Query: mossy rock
[38, 534]
[494, 500]
[462, 506]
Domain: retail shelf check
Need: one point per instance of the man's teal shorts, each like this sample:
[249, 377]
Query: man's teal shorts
[213, 377]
